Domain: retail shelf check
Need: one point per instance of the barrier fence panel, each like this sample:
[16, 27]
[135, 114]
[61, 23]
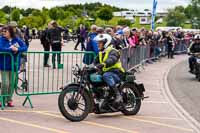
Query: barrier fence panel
[6, 77]
[35, 79]
[136, 56]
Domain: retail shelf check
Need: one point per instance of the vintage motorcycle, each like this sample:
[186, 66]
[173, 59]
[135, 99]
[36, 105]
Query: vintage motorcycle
[89, 94]
[196, 65]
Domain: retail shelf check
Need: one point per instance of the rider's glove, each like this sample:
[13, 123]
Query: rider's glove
[100, 66]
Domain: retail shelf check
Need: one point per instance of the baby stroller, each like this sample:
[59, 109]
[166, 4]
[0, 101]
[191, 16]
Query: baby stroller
[22, 78]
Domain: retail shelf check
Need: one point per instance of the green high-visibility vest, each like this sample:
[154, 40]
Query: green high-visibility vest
[102, 60]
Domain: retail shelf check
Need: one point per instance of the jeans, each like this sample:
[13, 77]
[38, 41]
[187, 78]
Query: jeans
[7, 82]
[46, 47]
[56, 47]
[111, 79]
[170, 52]
[82, 41]
[192, 60]
[157, 51]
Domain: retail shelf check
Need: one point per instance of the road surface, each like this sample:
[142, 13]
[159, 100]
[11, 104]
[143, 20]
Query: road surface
[186, 89]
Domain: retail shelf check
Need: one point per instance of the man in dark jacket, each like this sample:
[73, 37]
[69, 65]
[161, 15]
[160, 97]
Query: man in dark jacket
[108, 60]
[55, 38]
[46, 45]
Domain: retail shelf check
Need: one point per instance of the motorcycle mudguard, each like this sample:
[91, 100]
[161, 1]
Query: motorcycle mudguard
[86, 90]
[138, 87]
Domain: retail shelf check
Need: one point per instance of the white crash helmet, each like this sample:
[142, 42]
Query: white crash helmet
[197, 37]
[105, 38]
[24, 27]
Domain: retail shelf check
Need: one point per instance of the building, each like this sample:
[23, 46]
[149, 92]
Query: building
[144, 16]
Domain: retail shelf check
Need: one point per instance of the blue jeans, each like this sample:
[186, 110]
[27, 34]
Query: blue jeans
[111, 79]
[192, 60]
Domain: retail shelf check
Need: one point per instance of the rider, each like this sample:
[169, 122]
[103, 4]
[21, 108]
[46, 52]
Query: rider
[108, 60]
[194, 48]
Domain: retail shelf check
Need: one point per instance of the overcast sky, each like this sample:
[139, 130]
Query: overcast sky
[130, 4]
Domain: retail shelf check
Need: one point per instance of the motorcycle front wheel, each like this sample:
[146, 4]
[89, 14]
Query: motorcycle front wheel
[74, 106]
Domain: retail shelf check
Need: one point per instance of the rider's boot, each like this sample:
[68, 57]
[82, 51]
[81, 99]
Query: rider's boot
[118, 98]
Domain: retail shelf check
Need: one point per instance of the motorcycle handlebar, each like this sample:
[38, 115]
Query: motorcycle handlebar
[194, 53]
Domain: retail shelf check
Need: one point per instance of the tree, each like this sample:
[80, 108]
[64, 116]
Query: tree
[192, 13]
[124, 22]
[189, 12]
[27, 12]
[40, 15]
[175, 18]
[15, 15]
[2, 17]
[105, 14]
[179, 8]
[53, 13]
[31, 21]
[6, 9]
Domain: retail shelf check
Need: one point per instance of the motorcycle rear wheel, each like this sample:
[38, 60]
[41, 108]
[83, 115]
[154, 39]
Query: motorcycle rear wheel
[131, 98]
[69, 107]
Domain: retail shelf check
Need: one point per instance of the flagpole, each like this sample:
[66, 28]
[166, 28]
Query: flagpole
[153, 15]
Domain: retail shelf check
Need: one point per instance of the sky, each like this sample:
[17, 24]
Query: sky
[130, 4]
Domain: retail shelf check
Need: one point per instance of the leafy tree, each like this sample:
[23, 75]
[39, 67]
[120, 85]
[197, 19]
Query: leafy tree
[36, 13]
[179, 8]
[53, 13]
[175, 18]
[31, 21]
[26, 12]
[2, 17]
[105, 14]
[41, 15]
[15, 15]
[6, 9]
[189, 12]
[124, 22]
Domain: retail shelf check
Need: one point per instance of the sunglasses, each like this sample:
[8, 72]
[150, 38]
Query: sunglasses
[4, 31]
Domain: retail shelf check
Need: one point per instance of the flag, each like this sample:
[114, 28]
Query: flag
[153, 15]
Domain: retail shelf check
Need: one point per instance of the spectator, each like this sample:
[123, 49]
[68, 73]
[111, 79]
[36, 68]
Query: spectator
[132, 40]
[142, 37]
[46, 45]
[92, 46]
[82, 34]
[55, 39]
[14, 45]
[100, 30]
[116, 38]
[170, 43]
[126, 32]
[26, 35]
[34, 33]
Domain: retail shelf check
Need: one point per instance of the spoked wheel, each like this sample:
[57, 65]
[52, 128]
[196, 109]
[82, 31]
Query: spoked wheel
[73, 105]
[132, 102]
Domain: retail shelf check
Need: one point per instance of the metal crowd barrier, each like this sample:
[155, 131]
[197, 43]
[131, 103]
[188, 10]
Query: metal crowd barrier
[136, 56]
[7, 76]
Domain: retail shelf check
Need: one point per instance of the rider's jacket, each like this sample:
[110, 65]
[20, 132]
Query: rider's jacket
[194, 48]
[110, 57]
